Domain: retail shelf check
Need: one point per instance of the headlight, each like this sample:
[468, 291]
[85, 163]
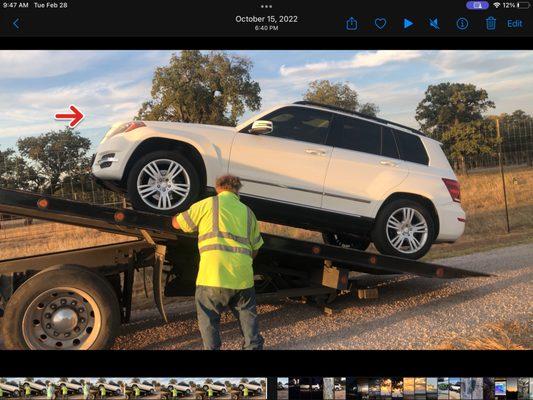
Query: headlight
[123, 128]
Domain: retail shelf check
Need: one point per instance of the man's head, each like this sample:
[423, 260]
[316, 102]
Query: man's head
[228, 183]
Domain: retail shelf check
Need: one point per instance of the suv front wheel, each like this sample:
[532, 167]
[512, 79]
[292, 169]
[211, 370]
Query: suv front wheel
[163, 182]
[404, 228]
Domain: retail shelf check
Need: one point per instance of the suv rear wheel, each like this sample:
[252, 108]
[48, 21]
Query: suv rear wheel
[404, 228]
[163, 182]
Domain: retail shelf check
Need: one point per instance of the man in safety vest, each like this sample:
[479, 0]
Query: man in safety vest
[228, 240]
[27, 391]
[49, 391]
[64, 391]
[209, 392]
[102, 391]
[245, 392]
[85, 390]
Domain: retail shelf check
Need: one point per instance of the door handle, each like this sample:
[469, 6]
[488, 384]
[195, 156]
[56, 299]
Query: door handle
[315, 152]
[388, 163]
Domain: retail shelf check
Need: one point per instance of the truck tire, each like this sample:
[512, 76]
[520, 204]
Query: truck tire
[404, 228]
[62, 307]
[150, 189]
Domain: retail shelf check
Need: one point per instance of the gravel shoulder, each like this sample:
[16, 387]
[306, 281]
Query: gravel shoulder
[411, 312]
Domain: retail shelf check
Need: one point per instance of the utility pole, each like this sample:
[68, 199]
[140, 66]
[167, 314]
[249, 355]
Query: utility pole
[500, 161]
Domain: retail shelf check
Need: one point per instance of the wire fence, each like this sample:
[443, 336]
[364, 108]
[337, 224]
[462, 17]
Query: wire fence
[497, 183]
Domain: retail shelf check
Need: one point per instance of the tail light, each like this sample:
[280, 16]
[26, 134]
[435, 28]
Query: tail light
[453, 188]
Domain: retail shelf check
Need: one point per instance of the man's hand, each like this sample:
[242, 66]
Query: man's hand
[175, 224]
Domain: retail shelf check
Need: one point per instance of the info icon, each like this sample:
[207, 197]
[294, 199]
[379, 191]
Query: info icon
[462, 23]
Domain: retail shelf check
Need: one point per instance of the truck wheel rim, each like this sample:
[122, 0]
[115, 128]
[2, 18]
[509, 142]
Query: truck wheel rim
[407, 230]
[62, 318]
[163, 184]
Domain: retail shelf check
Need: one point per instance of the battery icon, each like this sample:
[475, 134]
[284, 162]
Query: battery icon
[523, 4]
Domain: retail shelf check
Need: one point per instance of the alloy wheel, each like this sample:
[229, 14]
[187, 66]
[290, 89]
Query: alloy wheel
[163, 184]
[407, 230]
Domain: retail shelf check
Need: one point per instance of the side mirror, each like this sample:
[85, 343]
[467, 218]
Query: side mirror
[261, 127]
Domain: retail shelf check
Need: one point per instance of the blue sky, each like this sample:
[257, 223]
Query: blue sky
[110, 86]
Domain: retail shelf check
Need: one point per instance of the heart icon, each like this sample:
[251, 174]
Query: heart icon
[380, 22]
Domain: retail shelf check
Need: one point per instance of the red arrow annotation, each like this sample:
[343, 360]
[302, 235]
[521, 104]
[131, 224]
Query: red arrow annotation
[76, 116]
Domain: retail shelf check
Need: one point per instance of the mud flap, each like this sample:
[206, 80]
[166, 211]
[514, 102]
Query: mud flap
[157, 276]
[157, 280]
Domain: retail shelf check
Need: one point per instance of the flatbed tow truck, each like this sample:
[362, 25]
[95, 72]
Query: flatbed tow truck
[77, 299]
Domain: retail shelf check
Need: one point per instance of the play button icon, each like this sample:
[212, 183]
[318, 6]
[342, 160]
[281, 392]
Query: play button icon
[407, 23]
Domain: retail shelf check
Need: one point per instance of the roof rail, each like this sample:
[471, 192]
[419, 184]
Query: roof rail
[344, 110]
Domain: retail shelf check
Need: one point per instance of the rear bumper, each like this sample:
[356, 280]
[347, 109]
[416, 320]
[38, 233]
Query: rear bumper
[451, 222]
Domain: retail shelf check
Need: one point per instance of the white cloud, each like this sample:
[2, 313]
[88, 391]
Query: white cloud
[41, 64]
[359, 60]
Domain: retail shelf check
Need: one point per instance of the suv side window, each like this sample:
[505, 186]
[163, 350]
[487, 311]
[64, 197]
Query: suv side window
[299, 123]
[388, 144]
[411, 148]
[357, 134]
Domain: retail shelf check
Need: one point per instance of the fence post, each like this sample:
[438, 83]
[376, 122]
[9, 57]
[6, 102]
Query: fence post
[502, 173]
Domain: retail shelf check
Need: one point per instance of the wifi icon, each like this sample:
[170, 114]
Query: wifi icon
[496, 4]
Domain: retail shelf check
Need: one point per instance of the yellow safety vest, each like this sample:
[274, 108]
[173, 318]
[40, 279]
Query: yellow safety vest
[228, 233]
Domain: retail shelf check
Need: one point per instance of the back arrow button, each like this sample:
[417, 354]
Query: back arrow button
[16, 23]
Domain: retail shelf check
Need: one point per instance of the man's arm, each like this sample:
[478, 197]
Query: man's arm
[175, 223]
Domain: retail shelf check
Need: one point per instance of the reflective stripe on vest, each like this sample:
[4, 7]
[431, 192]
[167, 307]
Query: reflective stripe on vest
[216, 233]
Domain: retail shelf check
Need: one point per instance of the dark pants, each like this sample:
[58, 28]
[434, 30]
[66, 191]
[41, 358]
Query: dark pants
[211, 302]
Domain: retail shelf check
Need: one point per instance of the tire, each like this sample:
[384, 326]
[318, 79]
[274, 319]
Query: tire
[97, 297]
[346, 240]
[206, 388]
[188, 391]
[383, 236]
[164, 158]
[241, 387]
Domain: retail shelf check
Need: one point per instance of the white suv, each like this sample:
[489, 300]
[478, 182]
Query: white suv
[352, 177]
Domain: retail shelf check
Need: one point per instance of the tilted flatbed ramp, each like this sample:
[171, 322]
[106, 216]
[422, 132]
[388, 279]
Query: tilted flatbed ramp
[131, 223]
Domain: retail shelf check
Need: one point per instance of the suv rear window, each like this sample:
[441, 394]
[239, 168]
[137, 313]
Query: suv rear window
[411, 148]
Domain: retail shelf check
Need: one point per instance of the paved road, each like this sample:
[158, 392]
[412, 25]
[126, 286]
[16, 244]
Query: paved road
[411, 313]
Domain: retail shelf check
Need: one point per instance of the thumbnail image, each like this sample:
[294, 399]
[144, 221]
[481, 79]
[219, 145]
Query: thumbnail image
[530, 388]
[362, 388]
[311, 388]
[351, 388]
[374, 388]
[409, 388]
[523, 388]
[420, 388]
[454, 388]
[500, 387]
[294, 388]
[442, 389]
[488, 388]
[386, 388]
[472, 388]
[397, 388]
[431, 388]
[283, 388]
[334, 388]
[512, 389]
[466, 388]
